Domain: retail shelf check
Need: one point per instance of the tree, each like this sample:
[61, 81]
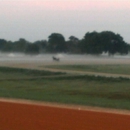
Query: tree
[2, 44]
[72, 45]
[42, 44]
[113, 43]
[32, 49]
[8, 47]
[106, 41]
[20, 45]
[91, 43]
[56, 43]
[74, 39]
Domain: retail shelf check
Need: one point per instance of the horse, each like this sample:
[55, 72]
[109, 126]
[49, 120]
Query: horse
[55, 58]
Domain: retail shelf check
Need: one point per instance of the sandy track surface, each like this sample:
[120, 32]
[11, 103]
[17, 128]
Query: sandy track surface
[25, 115]
[43, 66]
[67, 106]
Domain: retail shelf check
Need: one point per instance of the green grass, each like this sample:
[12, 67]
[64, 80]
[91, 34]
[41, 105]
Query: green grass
[18, 73]
[83, 90]
[113, 69]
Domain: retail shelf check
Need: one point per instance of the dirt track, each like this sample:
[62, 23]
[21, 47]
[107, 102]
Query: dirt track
[27, 116]
[41, 66]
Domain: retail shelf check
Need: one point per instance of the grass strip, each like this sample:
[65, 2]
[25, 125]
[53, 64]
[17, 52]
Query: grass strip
[71, 89]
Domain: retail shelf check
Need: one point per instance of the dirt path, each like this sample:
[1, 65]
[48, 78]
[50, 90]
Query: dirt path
[43, 66]
[87, 73]
[28, 115]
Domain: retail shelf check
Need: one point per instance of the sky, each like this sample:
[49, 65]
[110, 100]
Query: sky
[37, 19]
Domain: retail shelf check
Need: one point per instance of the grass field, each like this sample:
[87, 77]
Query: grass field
[19, 73]
[101, 68]
[63, 88]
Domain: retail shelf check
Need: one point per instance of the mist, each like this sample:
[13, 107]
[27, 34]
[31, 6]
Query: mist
[64, 59]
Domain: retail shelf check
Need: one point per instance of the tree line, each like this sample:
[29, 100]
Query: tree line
[92, 43]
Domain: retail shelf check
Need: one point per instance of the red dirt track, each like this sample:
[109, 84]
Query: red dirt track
[20, 116]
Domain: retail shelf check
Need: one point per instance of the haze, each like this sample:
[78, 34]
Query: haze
[37, 19]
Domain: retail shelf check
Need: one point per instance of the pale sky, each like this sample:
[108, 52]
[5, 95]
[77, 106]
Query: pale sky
[37, 19]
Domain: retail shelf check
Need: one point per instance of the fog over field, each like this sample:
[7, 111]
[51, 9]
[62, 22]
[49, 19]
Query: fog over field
[64, 58]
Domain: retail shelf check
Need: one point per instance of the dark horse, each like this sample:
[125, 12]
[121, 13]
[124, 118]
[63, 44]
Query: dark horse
[55, 58]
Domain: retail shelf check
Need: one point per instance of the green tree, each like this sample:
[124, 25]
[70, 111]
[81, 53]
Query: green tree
[106, 41]
[32, 49]
[91, 43]
[56, 43]
[42, 44]
[3, 42]
[8, 47]
[113, 43]
[20, 45]
[73, 45]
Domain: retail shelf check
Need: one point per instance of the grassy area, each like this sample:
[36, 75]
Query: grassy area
[113, 69]
[18, 73]
[83, 90]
